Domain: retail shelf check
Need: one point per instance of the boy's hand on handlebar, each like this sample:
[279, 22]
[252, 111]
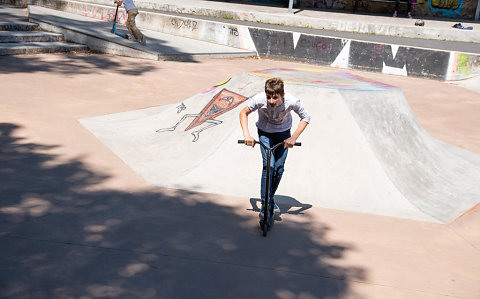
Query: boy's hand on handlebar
[290, 142]
[249, 141]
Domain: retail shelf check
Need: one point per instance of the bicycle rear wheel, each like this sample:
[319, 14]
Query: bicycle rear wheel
[266, 216]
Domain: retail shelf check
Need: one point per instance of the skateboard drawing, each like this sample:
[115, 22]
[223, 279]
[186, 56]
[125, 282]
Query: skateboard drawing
[222, 102]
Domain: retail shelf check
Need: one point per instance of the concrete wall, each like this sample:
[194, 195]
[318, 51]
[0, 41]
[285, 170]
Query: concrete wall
[335, 52]
[455, 9]
[292, 20]
[384, 58]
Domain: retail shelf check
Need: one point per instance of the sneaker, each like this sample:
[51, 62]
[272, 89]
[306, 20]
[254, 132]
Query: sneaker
[260, 215]
[276, 209]
[394, 15]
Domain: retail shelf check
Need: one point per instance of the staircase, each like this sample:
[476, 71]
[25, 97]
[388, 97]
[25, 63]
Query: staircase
[18, 36]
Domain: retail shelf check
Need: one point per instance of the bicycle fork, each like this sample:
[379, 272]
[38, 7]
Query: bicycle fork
[268, 211]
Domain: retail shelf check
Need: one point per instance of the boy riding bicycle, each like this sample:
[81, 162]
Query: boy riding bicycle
[274, 123]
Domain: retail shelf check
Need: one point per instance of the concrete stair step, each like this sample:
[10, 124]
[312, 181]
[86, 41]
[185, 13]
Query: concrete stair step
[18, 26]
[39, 47]
[29, 36]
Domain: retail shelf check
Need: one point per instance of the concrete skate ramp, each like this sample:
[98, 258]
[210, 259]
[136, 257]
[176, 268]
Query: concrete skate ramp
[364, 151]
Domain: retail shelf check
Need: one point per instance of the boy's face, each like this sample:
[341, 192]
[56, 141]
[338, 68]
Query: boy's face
[275, 100]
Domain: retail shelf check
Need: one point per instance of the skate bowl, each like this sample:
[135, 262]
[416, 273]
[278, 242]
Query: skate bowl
[364, 151]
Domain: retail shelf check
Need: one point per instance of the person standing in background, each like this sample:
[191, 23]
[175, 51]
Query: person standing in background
[409, 8]
[132, 12]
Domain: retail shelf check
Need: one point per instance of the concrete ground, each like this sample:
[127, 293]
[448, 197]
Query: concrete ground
[75, 221]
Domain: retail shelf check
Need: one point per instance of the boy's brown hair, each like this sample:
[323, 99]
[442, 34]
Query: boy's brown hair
[274, 86]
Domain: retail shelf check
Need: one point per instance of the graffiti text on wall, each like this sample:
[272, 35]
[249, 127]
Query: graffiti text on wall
[447, 8]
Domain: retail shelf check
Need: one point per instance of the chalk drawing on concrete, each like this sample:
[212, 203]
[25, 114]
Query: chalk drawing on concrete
[322, 78]
[181, 107]
[222, 102]
[217, 85]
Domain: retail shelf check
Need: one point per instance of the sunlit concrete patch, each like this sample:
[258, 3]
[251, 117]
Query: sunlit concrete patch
[95, 228]
[134, 269]
[29, 206]
[94, 238]
[364, 150]
[104, 291]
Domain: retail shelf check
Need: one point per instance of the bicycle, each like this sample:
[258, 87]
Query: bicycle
[268, 215]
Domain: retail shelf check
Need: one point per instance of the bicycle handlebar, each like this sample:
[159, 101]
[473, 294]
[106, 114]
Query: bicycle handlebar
[257, 142]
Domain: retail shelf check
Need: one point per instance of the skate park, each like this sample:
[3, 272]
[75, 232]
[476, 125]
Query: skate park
[87, 222]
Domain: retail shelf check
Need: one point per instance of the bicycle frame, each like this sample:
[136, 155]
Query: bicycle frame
[268, 209]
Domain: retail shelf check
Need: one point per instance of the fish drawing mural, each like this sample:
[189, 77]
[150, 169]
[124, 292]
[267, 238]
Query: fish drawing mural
[222, 102]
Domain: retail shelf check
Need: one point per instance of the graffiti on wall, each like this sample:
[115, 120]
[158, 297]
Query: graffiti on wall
[412, 61]
[222, 102]
[384, 58]
[464, 9]
[179, 23]
[463, 67]
[447, 8]
[467, 65]
[104, 13]
[446, 4]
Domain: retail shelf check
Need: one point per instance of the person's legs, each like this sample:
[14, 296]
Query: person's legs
[266, 139]
[280, 157]
[277, 162]
[132, 13]
[397, 5]
[132, 26]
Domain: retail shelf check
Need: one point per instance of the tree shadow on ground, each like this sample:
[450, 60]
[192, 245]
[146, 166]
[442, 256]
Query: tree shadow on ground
[70, 64]
[60, 239]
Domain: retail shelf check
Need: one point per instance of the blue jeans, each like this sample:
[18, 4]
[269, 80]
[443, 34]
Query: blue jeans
[277, 161]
